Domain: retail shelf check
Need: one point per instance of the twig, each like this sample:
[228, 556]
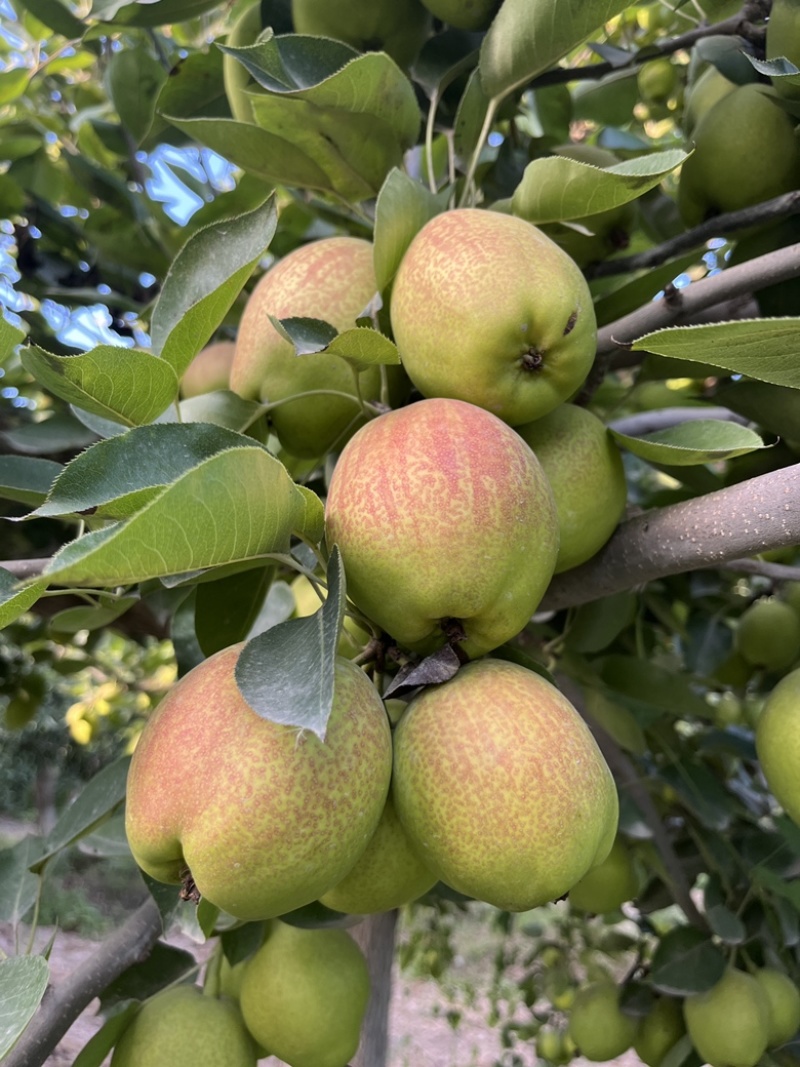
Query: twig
[707, 531]
[650, 421]
[778, 572]
[25, 568]
[62, 1005]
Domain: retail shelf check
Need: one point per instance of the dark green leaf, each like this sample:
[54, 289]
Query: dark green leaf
[701, 792]
[242, 941]
[686, 962]
[71, 620]
[306, 335]
[774, 407]
[317, 917]
[16, 597]
[365, 347]
[403, 208]
[23, 980]
[225, 610]
[10, 337]
[95, 1051]
[164, 965]
[728, 927]
[26, 479]
[18, 887]
[135, 78]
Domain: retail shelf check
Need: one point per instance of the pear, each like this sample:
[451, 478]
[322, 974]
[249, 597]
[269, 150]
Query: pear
[745, 151]
[501, 786]
[585, 471]
[353, 637]
[778, 743]
[554, 1046]
[607, 884]
[657, 80]
[729, 1023]
[597, 1025]
[235, 76]
[209, 370]
[446, 525]
[660, 1029]
[768, 634]
[398, 27]
[703, 94]
[783, 39]
[486, 308]
[784, 1005]
[331, 279]
[389, 873]
[464, 14]
[183, 1028]
[304, 994]
[264, 818]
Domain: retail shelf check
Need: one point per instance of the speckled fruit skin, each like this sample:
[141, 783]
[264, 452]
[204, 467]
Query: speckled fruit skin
[585, 471]
[266, 817]
[331, 279]
[304, 994]
[464, 14]
[486, 308]
[183, 1028]
[729, 1024]
[209, 370]
[388, 875]
[398, 27]
[501, 786]
[442, 512]
[778, 743]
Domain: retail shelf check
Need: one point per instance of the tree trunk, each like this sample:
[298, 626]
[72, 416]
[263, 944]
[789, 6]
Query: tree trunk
[375, 937]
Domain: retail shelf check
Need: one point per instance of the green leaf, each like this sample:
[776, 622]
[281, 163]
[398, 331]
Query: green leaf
[558, 188]
[701, 792]
[154, 13]
[61, 432]
[403, 208]
[98, 1047]
[306, 335]
[10, 337]
[237, 505]
[774, 407]
[121, 384]
[653, 686]
[164, 965]
[777, 885]
[728, 927]
[118, 477]
[286, 674]
[135, 78]
[316, 916]
[13, 84]
[760, 348]
[18, 887]
[220, 408]
[633, 294]
[204, 280]
[23, 980]
[71, 620]
[226, 609]
[686, 962]
[16, 597]
[365, 347]
[693, 442]
[26, 479]
[57, 17]
[527, 38]
[97, 801]
[470, 118]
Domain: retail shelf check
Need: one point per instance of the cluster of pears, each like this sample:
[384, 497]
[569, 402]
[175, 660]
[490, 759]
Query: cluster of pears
[732, 1024]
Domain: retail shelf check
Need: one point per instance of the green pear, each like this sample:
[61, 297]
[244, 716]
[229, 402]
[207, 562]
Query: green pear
[778, 743]
[608, 884]
[235, 76]
[389, 874]
[657, 80]
[209, 370]
[597, 1025]
[585, 471]
[304, 994]
[729, 1023]
[784, 1005]
[660, 1029]
[353, 637]
[486, 308]
[791, 596]
[183, 1028]
[446, 525]
[745, 151]
[331, 279]
[398, 27]
[554, 1046]
[501, 786]
[464, 14]
[264, 818]
[783, 39]
[768, 634]
[702, 95]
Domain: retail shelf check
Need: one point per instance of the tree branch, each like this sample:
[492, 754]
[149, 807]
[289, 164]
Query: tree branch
[650, 421]
[25, 568]
[61, 1006]
[776, 572]
[708, 531]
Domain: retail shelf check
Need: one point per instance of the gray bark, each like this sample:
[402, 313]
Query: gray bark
[375, 935]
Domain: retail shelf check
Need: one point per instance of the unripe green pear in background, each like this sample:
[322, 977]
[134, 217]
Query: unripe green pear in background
[183, 1028]
[265, 817]
[236, 77]
[353, 637]
[768, 634]
[597, 1025]
[660, 1029]
[463, 14]
[729, 1023]
[783, 997]
[702, 95]
[554, 1046]
[608, 884]
[501, 786]
[657, 80]
[389, 874]
[745, 151]
[331, 279]
[486, 308]
[304, 994]
[209, 370]
[790, 594]
[778, 743]
[585, 471]
[446, 524]
[398, 27]
[783, 39]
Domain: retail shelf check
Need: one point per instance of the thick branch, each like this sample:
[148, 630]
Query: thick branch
[677, 306]
[61, 1006]
[375, 936]
[708, 531]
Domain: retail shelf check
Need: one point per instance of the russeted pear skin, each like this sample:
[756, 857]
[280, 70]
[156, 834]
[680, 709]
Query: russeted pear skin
[487, 309]
[729, 1023]
[183, 1028]
[778, 743]
[597, 1025]
[331, 279]
[444, 517]
[304, 994]
[266, 817]
[501, 786]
